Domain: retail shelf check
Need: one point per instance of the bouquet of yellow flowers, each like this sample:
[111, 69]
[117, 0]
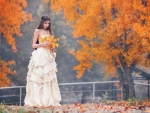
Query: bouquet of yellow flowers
[53, 41]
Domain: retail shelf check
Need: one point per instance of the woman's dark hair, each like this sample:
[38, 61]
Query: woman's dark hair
[44, 18]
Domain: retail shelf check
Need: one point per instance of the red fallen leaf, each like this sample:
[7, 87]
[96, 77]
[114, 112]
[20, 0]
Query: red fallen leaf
[136, 108]
[127, 107]
[42, 107]
[97, 106]
[111, 108]
[35, 107]
[81, 107]
[76, 104]
[82, 111]
[50, 107]
[141, 107]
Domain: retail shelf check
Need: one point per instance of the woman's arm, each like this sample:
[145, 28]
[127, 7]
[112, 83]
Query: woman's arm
[35, 38]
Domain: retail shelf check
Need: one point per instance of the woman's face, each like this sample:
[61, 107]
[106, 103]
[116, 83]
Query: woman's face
[46, 24]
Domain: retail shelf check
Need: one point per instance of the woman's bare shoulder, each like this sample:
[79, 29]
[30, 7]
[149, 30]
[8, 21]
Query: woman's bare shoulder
[37, 30]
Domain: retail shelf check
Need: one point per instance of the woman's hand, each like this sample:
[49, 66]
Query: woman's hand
[46, 43]
[51, 48]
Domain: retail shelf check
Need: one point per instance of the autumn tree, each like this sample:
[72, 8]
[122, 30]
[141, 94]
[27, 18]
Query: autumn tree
[12, 16]
[111, 32]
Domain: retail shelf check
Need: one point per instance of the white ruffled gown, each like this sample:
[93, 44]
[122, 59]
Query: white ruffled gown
[42, 87]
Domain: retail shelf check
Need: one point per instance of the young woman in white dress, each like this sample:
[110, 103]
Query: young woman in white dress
[42, 87]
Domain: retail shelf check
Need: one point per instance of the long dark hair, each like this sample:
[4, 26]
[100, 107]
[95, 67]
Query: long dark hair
[44, 18]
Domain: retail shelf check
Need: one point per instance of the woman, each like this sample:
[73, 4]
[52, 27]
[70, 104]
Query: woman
[42, 87]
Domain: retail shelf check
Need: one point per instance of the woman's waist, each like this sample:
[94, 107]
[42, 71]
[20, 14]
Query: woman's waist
[44, 48]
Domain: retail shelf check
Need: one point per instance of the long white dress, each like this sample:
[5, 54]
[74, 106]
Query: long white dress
[42, 87]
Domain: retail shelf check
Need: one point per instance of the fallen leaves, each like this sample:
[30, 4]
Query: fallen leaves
[111, 107]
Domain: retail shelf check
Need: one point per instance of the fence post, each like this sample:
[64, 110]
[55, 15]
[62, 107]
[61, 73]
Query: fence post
[20, 96]
[112, 91]
[93, 91]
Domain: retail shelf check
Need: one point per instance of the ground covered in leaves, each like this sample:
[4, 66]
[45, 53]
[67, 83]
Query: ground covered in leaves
[102, 107]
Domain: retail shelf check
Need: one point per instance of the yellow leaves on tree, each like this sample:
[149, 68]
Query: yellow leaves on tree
[117, 32]
[12, 16]
[4, 71]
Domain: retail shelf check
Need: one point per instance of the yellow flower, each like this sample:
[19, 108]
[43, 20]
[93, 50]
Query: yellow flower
[58, 39]
[53, 41]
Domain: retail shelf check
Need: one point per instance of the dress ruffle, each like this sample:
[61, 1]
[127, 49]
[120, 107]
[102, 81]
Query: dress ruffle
[42, 87]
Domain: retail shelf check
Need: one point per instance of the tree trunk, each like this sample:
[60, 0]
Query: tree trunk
[125, 73]
[85, 95]
[126, 82]
[125, 79]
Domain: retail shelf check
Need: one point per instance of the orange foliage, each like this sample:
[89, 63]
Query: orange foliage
[4, 70]
[112, 28]
[12, 16]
